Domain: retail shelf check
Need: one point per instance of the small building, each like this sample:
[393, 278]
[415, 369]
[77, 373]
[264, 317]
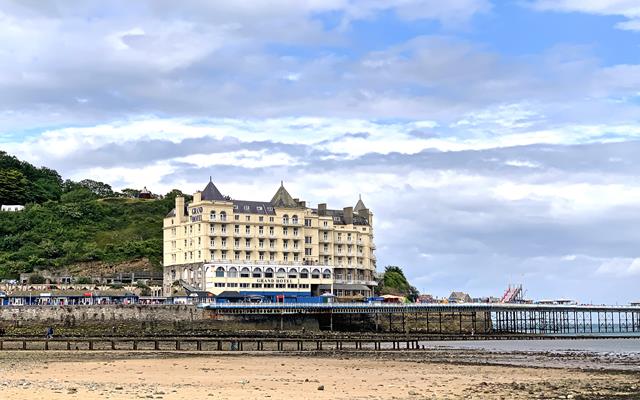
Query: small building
[145, 194]
[459, 297]
[635, 303]
[425, 298]
[11, 208]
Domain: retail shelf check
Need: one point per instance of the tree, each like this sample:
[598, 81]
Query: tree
[100, 189]
[132, 193]
[394, 282]
[13, 187]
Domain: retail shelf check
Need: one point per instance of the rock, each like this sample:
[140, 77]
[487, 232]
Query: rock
[413, 393]
[321, 387]
[118, 388]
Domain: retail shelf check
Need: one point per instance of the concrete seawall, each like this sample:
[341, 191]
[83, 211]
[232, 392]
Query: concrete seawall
[186, 320]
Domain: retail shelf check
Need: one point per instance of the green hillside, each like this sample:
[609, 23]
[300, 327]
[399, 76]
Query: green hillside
[68, 223]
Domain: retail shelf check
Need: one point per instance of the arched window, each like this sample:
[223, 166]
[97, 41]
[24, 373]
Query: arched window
[257, 273]
[315, 274]
[212, 215]
[233, 272]
[219, 272]
[326, 274]
[285, 219]
[293, 274]
[223, 216]
[294, 219]
[244, 272]
[268, 273]
[304, 273]
[281, 273]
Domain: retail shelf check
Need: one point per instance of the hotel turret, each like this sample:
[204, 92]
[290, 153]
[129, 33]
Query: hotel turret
[274, 249]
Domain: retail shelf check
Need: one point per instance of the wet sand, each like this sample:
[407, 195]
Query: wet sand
[392, 375]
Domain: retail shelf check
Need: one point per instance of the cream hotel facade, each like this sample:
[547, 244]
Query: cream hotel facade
[277, 248]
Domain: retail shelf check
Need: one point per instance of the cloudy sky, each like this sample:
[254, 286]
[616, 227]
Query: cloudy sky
[495, 141]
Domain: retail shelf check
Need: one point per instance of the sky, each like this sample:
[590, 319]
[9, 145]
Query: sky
[496, 142]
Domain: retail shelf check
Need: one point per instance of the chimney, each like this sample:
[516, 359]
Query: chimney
[364, 213]
[322, 209]
[348, 215]
[179, 208]
[302, 204]
[197, 197]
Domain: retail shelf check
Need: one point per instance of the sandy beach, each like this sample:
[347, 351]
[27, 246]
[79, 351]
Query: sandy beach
[103, 375]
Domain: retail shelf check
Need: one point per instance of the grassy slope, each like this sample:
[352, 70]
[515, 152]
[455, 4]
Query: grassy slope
[55, 234]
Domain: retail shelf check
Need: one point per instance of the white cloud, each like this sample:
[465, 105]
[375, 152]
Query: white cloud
[626, 8]
[620, 267]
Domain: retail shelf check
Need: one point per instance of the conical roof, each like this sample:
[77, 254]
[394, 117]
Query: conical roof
[359, 205]
[211, 192]
[282, 198]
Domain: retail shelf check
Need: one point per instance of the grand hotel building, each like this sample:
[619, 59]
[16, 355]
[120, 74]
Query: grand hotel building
[270, 248]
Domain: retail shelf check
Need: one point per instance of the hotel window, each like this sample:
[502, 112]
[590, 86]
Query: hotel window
[244, 272]
[281, 273]
[199, 254]
[256, 285]
[224, 229]
[295, 231]
[304, 286]
[307, 251]
[285, 231]
[268, 285]
[233, 272]
[326, 274]
[268, 273]
[236, 243]
[348, 237]
[271, 219]
[261, 219]
[315, 274]
[224, 255]
[257, 273]
[304, 274]
[307, 222]
[325, 224]
[261, 230]
[236, 229]
[199, 242]
[247, 229]
[224, 242]
[285, 244]
[185, 243]
[271, 231]
[247, 208]
[307, 239]
[261, 256]
[236, 217]
[219, 284]
[232, 284]
[280, 286]
[212, 228]
[272, 244]
[285, 219]
[294, 220]
[285, 257]
[293, 274]
[247, 218]
[223, 216]
[247, 256]
[272, 256]
[244, 285]
[292, 286]
[247, 243]
[220, 272]
[261, 243]
[295, 244]
[236, 256]
[296, 257]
